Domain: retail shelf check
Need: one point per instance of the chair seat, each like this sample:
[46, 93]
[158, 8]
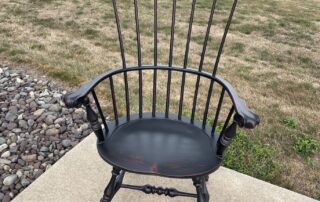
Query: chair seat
[162, 147]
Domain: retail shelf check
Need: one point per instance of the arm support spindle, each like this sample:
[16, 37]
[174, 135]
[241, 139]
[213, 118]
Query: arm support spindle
[225, 139]
[92, 117]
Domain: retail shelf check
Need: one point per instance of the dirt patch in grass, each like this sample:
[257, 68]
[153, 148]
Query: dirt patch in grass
[271, 57]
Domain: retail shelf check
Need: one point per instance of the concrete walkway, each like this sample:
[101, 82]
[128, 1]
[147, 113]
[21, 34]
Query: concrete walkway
[82, 176]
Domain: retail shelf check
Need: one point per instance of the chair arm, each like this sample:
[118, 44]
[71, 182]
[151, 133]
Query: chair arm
[74, 99]
[245, 117]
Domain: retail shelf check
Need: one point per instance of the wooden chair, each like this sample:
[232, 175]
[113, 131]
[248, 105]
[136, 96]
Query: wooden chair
[160, 142]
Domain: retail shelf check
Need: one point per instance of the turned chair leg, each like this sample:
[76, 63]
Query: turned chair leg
[201, 187]
[113, 185]
[205, 190]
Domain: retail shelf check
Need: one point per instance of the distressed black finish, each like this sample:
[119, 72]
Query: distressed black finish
[114, 185]
[161, 142]
[169, 147]
[92, 117]
[201, 187]
[148, 189]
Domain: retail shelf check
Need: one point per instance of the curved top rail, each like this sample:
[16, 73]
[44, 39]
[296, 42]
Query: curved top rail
[245, 117]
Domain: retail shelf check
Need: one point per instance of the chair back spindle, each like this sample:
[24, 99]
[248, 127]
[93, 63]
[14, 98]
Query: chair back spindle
[197, 103]
[124, 65]
[223, 40]
[136, 14]
[218, 111]
[203, 53]
[114, 102]
[186, 57]
[155, 58]
[173, 21]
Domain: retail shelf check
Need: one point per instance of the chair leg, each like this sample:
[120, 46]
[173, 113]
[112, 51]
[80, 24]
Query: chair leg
[201, 187]
[205, 190]
[113, 185]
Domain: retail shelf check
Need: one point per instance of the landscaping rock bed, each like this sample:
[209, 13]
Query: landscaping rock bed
[35, 129]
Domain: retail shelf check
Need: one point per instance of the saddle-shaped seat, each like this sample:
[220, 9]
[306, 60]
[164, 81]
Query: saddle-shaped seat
[165, 147]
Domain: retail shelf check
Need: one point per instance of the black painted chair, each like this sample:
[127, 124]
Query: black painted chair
[164, 143]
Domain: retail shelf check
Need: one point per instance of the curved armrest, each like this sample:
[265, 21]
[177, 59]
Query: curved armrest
[74, 99]
[245, 117]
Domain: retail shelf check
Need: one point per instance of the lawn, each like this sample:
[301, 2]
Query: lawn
[271, 57]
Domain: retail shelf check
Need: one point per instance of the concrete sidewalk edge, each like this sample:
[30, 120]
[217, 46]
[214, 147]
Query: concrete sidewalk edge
[81, 175]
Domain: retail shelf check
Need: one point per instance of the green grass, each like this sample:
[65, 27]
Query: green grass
[306, 145]
[46, 22]
[91, 33]
[40, 1]
[290, 122]
[239, 47]
[247, 28]
[4, 47]
[266, 29]
[37, 46]
[65, 76]
[252, 158]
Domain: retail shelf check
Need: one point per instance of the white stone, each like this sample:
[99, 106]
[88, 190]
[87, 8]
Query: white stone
[84, 126]
[14, 75]
[52, 131]
[19, 81]
[2, 140]
[8, 181]
[38, 112]
[79, 111]
[4, 162]
[29, 158]
[19, 173]
[59, 120]
[3, 147]
[12, 145]
[44, 126]
[57, 95]
[66, 142]
[44, 94]
[40, 158]
[25, 182]
[32, 94]
[5, 154]
[50, 156]
[6, 167]
[20, 117]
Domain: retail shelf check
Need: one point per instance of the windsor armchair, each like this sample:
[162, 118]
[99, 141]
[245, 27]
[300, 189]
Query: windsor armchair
[159, 142]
